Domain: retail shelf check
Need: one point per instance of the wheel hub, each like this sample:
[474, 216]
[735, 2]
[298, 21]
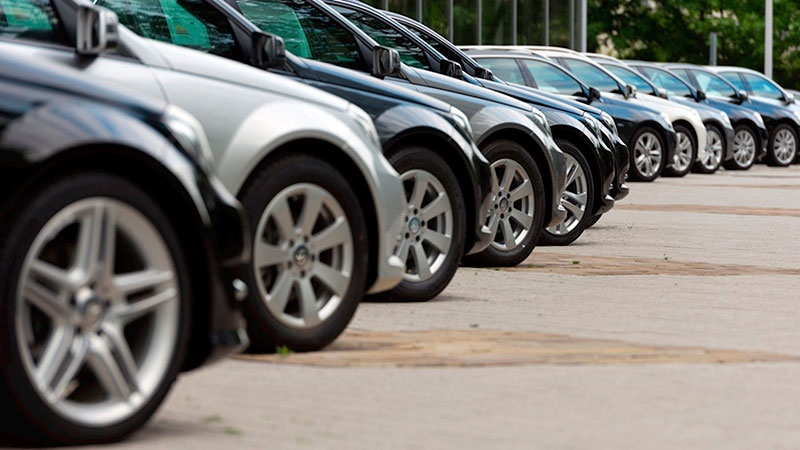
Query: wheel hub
[301, 256]
[504, 205]
[90, 309]
[414, 225]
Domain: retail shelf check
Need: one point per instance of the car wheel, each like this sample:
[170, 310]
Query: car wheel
[578, 199]
[309, 254]
[432, 241]
[715, 151]
[744, 149]
[648, 154]
[685, 153]
[517, 217]
[593, 220]
[94, 324]
[782, 149]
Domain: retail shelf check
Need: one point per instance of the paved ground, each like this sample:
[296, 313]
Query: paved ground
[673, 324]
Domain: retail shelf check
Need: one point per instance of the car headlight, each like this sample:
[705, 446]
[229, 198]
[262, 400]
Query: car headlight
[609, 121]
[462, 121]
[365, 123]
[190, 135]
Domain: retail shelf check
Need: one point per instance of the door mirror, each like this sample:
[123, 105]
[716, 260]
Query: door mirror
[663, 93]
[741, 96]
[630, 91]
[789, 98]
[484, 73]
[701, 95]
[97, 30]
[594, 94]
[450, 68]
[268, 50]
[385, 61]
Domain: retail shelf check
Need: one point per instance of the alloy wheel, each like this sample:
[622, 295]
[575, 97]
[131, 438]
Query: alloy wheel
[511, 218]
[744, 148]
[647, 154]
[683, 153]
[714, 150]
[574, 198]
[784, 146]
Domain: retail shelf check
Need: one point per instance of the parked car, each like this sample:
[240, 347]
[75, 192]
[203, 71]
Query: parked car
[590, 164]
[121, 254]
[324, 206]
[714, 86]
[783, 139]
[648, 133]
[717, 123]
[748, 126]
[502, 126]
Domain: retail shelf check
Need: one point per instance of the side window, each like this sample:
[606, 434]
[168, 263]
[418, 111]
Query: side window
[591, 75]
[410, 53]
[734, 79]
[762, 87]
[437, 45]
[31, 19]
[683, 74]
[311, 33]
[629, 77]
[505, 69]
[552, 79]
[713, 85]
[671, 83]
[188, 23]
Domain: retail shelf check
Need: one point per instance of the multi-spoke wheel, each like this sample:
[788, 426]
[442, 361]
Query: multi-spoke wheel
[309, 254]
[715, 151]
[432, 240]
[94, 318]
[685, 153]
[782, 149]
[744, 149]
[518, 208]
[648, 153]
[578, 199]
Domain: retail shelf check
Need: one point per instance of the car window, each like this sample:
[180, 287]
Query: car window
[762, 87]
[31, 19]
[410, 53]
[712, 85]
[591, 75]
[683, 74]
[188, 23]
[437, 45]
[734, 79]
[629, 77]
[307, 31]
[505, 69]
[665, 80]
[552, 79]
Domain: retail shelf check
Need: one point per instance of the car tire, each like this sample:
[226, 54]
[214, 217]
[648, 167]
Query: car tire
[715, 152]
[310, 254]
[648, 155]
[435, 218]
[685, 153]
[578, 199]
[744, 149]
[593, 220]
[512, 242]
[782, 149]
[98, 280]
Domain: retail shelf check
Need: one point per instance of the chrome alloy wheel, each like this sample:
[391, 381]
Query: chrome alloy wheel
[427, 235]
[714, 150]
[574, 198]
[647, 154]
[303, 255]
[784, 146]
[511, 218]
[683, 153]
[744, 148]
[97, 311]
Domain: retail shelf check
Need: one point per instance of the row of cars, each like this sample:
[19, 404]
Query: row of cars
[182, 180]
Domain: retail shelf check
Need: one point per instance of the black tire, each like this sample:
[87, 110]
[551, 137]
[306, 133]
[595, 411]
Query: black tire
[670, 170]
[270, 329]
[634, 172]
[593, 220]
[709, 165]
[407, 161]
[745, 149]
[783, 137]
[497, 254]
[27, 418]
[550, 236]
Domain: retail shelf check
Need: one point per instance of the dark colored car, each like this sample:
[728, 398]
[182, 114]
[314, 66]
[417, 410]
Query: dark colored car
[120, 255]
[748, 126]
[590, 163]
[532, 177]
[776, 115]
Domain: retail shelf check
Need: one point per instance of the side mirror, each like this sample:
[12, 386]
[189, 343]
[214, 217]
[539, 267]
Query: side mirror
[630, 91]
[268, 50]
[701, 95]
[789, 98]
[385, 61]
[450, 68]
[484, 73]
[594, 94]
[742, 96]
[97, 30]
[663, 93]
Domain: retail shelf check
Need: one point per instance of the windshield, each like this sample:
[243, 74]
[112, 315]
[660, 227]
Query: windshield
[552, 79]
[630, 77]
[591, 75]
[668, 81]
[713, 85]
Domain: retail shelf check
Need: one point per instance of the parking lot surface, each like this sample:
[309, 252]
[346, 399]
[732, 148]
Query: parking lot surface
[674, 323]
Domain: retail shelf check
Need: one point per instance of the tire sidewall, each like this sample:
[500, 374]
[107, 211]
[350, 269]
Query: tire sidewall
[670, 170]
[698, 167]
[733, 164]
[549, 238]
[772, 160]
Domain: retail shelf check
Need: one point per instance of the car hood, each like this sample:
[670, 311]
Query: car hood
[450, 84]
[529, 95]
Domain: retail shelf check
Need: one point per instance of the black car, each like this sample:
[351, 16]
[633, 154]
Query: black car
[776, 116]
[748, 126]
[590, 163]
[120, 255]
